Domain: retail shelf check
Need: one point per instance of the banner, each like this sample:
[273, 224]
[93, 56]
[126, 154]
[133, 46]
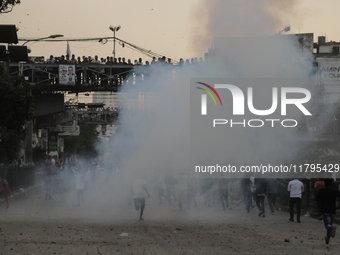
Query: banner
[330, 71]
[66, 75]
[70, 129]
[52, 141]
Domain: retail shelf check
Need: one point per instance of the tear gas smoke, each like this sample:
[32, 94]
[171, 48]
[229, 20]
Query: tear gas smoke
[239, 18]
[153, 139]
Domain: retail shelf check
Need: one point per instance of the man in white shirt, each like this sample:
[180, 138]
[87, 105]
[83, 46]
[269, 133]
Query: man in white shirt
[139, 191]
[295, 189]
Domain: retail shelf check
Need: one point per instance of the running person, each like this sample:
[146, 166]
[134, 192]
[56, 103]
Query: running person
[138, 191]
[327, 198]
[295, 189]
[260, 191]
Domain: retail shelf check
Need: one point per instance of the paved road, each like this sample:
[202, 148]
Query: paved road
[38, 226]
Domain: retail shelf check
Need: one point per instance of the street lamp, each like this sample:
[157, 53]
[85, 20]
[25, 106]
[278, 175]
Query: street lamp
[114, 29]
[48, 37]
[285, 29]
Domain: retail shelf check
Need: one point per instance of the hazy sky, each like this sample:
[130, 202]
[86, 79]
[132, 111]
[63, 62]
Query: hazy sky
[173, 28]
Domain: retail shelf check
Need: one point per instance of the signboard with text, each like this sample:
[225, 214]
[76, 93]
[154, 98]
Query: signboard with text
[70, 129]
[329, 69]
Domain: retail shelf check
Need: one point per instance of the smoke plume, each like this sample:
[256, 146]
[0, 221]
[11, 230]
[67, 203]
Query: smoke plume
[239, 18]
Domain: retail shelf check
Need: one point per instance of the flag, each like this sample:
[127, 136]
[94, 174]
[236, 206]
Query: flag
[68, 50]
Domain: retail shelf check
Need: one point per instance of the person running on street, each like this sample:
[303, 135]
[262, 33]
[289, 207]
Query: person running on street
[260, 192]
[327, 198]
[272, 190]
[138, 191]
[295, 189]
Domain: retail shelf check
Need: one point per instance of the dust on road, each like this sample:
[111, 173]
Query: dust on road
[110, 226]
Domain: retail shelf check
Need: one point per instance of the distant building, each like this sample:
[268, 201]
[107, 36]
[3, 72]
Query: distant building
[326, 48]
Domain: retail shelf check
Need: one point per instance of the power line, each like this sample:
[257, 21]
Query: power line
[144, 51]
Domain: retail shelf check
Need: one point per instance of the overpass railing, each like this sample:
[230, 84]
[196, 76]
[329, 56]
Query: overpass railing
[94, 116]
[85, 74]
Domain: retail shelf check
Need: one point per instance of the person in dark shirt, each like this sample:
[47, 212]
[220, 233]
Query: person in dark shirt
[317, 186]
[327, 197]
[272, 190]
[260, 191]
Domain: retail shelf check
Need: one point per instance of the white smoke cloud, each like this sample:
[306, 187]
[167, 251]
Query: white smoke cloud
[154, 137]
[240, 18]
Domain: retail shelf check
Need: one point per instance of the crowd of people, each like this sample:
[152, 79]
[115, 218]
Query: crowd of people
[66, 59]
[215, 192]
[189, 192]
[99, 114]
[116, 71]
[63, 177]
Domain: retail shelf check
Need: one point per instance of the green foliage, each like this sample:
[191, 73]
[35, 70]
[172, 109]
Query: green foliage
[7, 5]
[16, 109]
[83, 145]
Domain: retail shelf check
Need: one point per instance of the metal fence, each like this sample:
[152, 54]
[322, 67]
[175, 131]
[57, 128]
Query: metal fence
[85, 74]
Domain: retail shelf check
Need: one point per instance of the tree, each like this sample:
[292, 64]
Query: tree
[6, 6]
[16, 102]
